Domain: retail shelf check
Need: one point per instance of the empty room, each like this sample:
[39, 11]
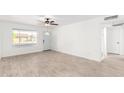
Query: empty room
[61, 45]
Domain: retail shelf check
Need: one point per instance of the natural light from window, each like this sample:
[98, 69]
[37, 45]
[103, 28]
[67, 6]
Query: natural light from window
[21, 37]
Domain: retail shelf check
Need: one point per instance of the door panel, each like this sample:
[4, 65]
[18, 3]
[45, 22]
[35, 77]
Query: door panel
[113, 40]
[46, 42]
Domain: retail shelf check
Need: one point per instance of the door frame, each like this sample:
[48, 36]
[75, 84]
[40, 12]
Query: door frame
[104, 42]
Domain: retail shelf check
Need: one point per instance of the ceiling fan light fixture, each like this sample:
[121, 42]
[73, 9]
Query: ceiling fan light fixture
[48, 20]
[47, 25]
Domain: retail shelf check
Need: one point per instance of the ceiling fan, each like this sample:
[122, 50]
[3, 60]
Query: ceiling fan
[48, 21]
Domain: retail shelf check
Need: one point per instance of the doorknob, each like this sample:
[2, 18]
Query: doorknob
[118, 42]
[43, 41]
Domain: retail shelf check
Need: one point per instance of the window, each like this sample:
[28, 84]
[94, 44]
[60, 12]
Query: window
[24, 37]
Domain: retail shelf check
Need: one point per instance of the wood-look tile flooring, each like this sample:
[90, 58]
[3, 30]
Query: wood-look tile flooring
[55, 64]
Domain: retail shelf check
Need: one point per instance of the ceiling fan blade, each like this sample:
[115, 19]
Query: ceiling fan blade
[55, 24]
[52, 21]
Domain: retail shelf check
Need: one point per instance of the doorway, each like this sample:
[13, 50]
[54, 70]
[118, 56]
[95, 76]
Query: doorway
[112, 41]
[46, 41]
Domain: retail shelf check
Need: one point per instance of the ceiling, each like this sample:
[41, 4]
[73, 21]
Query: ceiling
[34, 19]
[69, 19]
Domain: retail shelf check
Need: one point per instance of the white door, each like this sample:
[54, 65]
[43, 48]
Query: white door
[46, 42]
[113, 40]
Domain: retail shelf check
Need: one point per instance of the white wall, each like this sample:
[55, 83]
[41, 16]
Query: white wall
[8, 49]
[81, 39]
